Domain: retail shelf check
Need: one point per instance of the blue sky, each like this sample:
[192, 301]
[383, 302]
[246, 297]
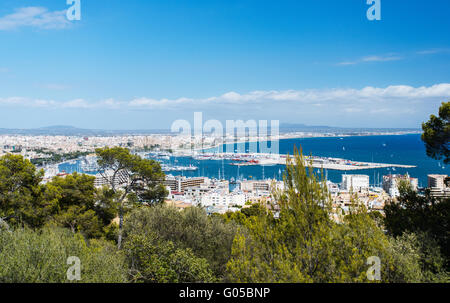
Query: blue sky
[143, 64]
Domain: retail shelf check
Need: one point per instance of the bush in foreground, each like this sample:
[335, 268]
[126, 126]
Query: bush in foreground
[28, 256]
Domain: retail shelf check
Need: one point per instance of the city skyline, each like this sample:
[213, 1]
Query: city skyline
[141, 65]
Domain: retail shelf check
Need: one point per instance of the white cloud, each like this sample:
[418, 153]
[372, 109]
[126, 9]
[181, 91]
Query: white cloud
[353, 110]
[433, 51]
[38, 17]
[162, 103]
[346, 100]
[374, 58]
[338, 95]
[393, 56]
[380, 58]
[20, 101]
[110, 103]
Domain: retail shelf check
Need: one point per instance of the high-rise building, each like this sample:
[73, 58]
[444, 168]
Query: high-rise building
[438, 187]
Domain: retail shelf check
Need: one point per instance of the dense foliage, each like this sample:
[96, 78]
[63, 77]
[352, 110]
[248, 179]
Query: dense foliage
[207, 237]
[22, 197]
[155, 261]
[41, 256]
[425, 216]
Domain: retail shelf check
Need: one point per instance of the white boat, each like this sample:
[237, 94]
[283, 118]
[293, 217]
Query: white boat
[89, 164]
[179, 168]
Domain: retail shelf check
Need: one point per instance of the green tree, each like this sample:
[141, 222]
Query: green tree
[414, 213]
[416, 258]
[22, 198]
[128, 175]
[359, 237]
[105, 205]
[245, 215]
[82, 207]
[436, 134]
[154, 261]
[208, 237]
[353, 241]
[295, 245]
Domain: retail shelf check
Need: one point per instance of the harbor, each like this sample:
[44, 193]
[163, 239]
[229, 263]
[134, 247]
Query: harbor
[374, 156]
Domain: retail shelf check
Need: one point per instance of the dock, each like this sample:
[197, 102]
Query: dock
[259, 159]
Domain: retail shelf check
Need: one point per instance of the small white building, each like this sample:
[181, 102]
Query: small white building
[264, 186]
[223, 200]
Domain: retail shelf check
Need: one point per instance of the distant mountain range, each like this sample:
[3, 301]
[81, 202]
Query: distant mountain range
[287, 127]
[65, 130]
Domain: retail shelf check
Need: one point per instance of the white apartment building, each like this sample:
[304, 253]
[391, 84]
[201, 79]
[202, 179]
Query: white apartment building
[222, 200]
[180, 184]
[438, 187]
[391, 182]
[195, 194]
[355, 183]
[437, 181]
[260, 186]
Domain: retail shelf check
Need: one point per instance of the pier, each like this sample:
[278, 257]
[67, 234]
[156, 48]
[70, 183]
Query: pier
[259, 159]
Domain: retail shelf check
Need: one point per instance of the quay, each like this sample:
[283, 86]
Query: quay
[259, 159]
